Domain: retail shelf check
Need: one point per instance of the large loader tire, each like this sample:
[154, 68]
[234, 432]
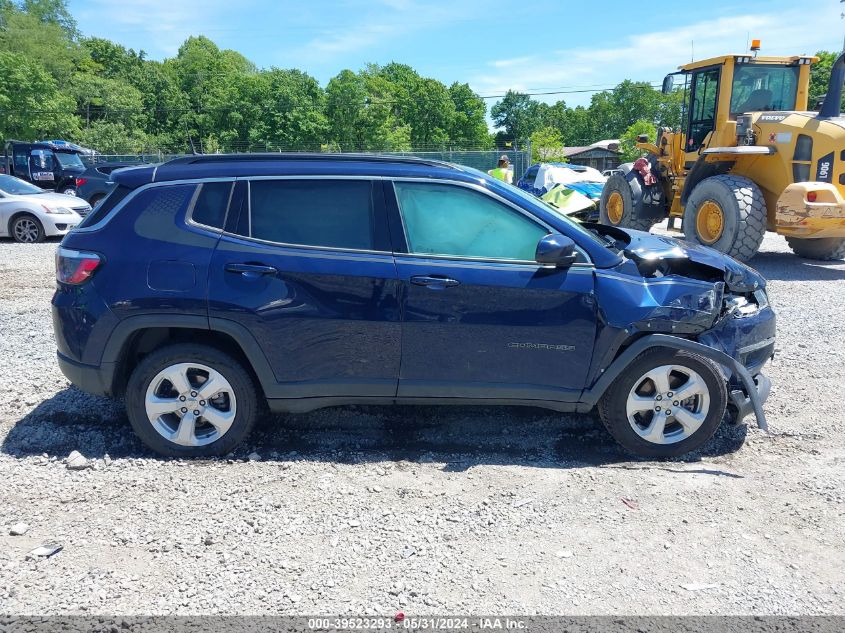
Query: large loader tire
[616, 207]
[727, 213]
[823, 248]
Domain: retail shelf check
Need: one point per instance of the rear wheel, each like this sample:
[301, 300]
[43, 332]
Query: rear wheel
[68, 191]
[666, 403]
[727, 213]
[96, 199]
[823, 248]
[617, 205]
[26, 229]
[190, 400]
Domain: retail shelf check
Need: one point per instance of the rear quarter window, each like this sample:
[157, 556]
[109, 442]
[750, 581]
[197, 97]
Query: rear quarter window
[106, 205]
[313, 212]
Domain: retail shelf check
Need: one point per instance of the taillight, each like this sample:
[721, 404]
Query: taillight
[81, 181]
[74, 267]
[811, 196]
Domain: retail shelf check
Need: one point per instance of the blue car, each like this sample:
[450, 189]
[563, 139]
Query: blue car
[207, 288]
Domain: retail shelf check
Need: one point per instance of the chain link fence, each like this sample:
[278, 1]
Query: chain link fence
[482, 160]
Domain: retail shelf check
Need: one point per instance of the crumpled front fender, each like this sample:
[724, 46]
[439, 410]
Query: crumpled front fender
[676, 305]
[756, 395]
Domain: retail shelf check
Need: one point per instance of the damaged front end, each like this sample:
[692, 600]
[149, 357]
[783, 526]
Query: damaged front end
[675, 289]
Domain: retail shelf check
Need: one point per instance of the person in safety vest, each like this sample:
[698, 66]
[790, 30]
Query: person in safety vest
[503, 170]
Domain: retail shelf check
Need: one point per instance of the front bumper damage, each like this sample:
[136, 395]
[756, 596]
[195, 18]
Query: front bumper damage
[749, 399]
[682, 296]
[743, 404]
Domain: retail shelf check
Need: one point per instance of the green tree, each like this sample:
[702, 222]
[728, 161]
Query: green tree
[547, 145]
[291, 109]
[54, 12]
[362, 113]
[820, 78]
[31, 104]
[43, 42]
[113, 137]
[103, 99]
[113, 60]
[469, 126]
[518, 114]
[578, 127]
[627, 140]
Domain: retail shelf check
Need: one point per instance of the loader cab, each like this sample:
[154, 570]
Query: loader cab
[719, 89]
[46, 165]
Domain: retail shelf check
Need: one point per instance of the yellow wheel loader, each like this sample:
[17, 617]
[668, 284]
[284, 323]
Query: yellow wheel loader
[749, 159]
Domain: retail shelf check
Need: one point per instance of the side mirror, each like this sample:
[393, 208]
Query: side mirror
[556, 250]
[668, 84]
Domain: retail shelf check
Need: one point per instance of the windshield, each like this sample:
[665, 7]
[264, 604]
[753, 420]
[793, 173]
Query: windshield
[762, 87]
[17, 187]
[534, 201]
[69, 160]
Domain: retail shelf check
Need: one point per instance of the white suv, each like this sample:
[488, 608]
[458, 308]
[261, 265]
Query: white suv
[29, 213]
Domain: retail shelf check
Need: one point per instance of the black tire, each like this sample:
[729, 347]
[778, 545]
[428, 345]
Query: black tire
[96, 199]
[70, 191]
[245, 393]
[822, 248]
[618, 184]
[612, 406]
[16, 229]
[743, 210]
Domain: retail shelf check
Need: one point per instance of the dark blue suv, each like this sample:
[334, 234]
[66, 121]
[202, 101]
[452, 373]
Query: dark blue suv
[207, 287]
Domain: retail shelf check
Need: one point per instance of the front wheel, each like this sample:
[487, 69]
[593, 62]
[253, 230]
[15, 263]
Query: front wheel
[727, 213]
[191, 400]
[26, 229]
[822, 248]
[666, 403]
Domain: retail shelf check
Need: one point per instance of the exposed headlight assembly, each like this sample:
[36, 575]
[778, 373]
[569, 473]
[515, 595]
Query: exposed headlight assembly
[739, 306]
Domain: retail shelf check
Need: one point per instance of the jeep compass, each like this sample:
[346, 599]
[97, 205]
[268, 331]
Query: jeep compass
[207, 288]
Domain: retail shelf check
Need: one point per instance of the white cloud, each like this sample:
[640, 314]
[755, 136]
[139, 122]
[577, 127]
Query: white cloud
[381, 22]
[156, 26]
[649, 56]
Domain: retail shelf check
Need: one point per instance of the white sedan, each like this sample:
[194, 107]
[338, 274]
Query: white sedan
[29, 213]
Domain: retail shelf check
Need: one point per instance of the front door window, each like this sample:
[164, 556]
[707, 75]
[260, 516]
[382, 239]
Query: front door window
[705, 89]
[460, 222]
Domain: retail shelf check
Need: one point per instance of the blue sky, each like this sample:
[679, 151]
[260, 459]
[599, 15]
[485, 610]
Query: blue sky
[535, 46]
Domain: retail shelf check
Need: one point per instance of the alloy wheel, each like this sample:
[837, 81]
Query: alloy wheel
[26, 230]
[190, 404]
[668, 404]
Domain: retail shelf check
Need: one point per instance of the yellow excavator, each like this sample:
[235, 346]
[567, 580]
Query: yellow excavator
[750, 158]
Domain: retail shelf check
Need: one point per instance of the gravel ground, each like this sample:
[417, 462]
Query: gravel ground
[425, 510]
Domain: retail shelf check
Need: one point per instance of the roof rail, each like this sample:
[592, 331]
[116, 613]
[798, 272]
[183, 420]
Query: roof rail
[200, 159]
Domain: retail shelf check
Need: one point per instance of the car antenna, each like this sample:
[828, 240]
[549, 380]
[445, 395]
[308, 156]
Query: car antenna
[191, 142]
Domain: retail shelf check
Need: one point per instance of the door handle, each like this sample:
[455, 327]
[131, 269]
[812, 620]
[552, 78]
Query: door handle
[433, 281]
[251, 271]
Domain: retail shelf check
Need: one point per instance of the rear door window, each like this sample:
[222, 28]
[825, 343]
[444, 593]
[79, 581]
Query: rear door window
[314, 212]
